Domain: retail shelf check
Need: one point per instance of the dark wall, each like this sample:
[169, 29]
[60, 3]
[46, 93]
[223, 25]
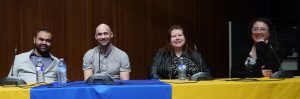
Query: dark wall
[285, 16]
[140, 28]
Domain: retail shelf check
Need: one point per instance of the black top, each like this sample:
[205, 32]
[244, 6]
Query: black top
[267, 58]
[164, 64]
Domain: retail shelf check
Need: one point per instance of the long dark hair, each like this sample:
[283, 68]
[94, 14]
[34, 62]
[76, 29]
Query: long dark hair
[273, 40]
[168, 47]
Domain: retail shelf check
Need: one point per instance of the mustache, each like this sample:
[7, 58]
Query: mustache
[43, 45]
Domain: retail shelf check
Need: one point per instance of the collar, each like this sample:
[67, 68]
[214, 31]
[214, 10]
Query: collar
[34, 54]
[183, 54]
[107, 52]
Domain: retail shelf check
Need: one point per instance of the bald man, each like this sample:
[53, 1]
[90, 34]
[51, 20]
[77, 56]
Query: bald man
[106, 58]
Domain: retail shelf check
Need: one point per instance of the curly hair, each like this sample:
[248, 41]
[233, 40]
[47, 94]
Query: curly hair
[273, 40]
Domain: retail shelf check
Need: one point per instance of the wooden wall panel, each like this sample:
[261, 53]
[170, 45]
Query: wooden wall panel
[140, 28]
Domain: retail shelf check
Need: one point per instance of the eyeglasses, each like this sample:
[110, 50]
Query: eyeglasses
[263, 29]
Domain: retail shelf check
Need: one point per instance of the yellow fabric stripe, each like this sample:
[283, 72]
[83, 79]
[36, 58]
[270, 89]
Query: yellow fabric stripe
[9, 92]
[222, 89]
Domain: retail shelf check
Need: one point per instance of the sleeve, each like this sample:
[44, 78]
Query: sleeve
[200, 62]
[267, 56]
[87, 59]
[154, 67]
[125, 64]
[238, 62]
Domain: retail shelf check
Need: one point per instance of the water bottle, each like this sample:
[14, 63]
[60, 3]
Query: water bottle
[181, 70]
[295, 53]
[62, 72]
[40, 78]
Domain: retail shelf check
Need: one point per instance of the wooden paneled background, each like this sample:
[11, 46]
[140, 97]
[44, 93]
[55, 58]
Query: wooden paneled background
[140, 28]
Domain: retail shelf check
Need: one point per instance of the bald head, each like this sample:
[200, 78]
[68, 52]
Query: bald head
[103, 35]
[103, 27]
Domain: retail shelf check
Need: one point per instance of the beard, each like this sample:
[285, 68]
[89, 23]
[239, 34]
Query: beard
[42, 49]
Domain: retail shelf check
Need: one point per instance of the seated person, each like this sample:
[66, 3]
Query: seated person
[25, 63]
[106, 58]
[165, 62]
[263, 56]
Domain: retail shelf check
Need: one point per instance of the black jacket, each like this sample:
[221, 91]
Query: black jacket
[162, 62]
[267, 58]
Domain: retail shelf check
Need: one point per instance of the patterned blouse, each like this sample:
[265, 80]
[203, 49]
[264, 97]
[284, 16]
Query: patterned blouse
[190, 65]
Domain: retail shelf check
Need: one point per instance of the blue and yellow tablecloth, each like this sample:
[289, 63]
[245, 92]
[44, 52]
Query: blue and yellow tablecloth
[131, 89]
[11, 92]
[262, 88]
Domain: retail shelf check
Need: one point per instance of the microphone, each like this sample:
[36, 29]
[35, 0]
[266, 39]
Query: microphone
[12, 80]
[13, 59]
[105, 56]
[195, 47]
[100, 78]
[202, 75]
[99, 61]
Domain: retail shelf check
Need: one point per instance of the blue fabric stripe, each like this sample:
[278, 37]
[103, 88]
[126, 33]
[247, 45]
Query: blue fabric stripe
[130, 89]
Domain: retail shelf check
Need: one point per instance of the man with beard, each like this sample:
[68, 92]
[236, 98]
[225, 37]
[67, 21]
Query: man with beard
[25, 63]
[106, 58]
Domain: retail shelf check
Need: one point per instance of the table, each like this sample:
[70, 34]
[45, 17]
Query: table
[260, 88]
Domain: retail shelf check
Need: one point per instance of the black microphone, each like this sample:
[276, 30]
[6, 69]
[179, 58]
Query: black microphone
[202, 74]
[99, 78]
[99, 61]
[195, 47]
[13, 60]
[105, 56]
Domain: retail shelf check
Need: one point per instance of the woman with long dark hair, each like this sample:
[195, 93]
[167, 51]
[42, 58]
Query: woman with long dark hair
[165, 63]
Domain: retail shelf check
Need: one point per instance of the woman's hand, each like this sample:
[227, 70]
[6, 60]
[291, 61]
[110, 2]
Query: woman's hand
[267, 72]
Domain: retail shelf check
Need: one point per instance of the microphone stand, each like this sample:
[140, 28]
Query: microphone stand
[13, 80]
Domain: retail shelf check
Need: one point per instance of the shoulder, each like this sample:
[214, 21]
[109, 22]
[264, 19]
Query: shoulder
[91, 51]
[119, 51]
[193, 54]
[119, 55]
[162, 51]
[24, 55]
[55, 58]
